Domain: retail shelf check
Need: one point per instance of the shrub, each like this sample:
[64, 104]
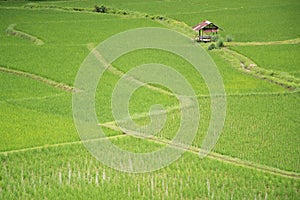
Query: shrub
[211, 46]
[101, 9]
[220, 43]
[160, 17]
[77, 9]
[215, 38]
[228, 38]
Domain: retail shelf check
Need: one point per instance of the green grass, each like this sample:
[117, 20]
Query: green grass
[33, 114]
[63, 52]
[263, 129]
[255, 124]
[260, 128]
[75, 174]
[21, 127]
[236, 82]
[17, 87]
[140, 57]
[282, 58]
[13, 3]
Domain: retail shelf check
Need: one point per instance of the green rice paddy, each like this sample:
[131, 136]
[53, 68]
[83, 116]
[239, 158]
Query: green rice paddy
[42, 157]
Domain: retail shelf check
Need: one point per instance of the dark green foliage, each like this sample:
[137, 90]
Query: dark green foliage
[160, 17]
[211, 46]
[101, 9]
[215, 38]
[78, 9]
[228, 38]
[220, 43]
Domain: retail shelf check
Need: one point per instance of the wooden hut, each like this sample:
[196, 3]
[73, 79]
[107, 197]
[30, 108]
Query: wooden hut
[206, 30]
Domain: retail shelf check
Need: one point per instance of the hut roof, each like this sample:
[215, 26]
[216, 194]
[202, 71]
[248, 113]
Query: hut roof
[204, 24]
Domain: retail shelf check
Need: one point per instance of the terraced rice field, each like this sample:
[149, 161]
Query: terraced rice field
[42, 46]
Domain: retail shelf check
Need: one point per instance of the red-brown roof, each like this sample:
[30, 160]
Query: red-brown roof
[203, 25]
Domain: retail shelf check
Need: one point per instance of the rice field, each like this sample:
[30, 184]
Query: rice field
[256, 21]
[42, 156]
[282, 58]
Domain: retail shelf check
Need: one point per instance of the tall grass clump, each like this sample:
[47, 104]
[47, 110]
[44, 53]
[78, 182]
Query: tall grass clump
[211, 46]
[228, 38]
[215, 38]
[220, 43]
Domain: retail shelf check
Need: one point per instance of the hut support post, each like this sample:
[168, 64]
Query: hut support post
[200, 34]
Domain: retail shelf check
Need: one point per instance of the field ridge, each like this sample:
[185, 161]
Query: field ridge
[248, 66]
[13, 32]
[57, 145]
[119, 73]
[33, 98]
[48, 81]
[253, 94]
